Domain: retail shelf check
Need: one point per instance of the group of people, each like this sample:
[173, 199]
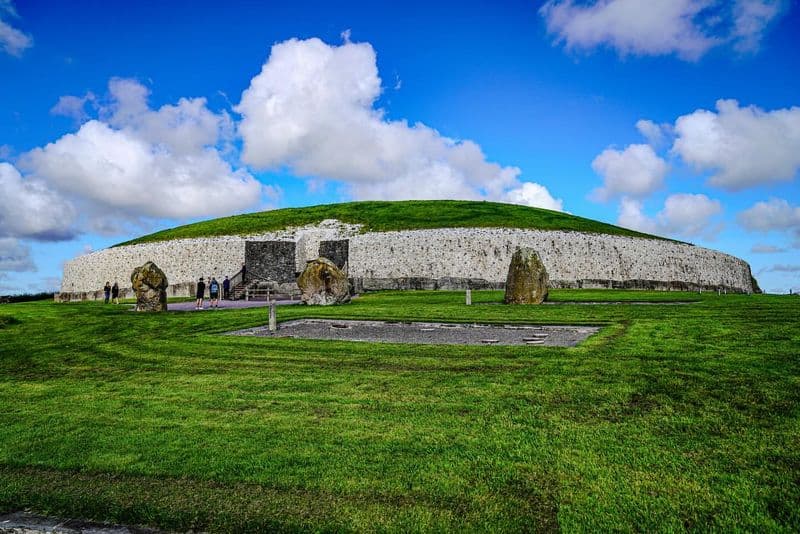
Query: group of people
[213, 292]
[111, 292]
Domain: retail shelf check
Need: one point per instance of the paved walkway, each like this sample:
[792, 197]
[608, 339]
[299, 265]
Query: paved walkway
[227, 304]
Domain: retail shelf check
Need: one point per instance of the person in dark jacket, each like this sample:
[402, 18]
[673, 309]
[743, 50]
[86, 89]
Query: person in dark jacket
[226, 289]
[115, 292]
[201, 293]
[244, 273]
[107, 292]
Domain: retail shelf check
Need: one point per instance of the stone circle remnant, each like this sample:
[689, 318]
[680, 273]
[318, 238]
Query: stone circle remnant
[150, 284]
[527, 279]
[323, 283]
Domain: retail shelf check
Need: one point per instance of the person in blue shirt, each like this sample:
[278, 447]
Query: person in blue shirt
[213, 292]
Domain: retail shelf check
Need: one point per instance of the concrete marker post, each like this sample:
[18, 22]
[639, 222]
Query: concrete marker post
[273, 319]
[469, 297]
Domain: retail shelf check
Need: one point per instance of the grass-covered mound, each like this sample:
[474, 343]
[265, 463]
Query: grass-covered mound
[672, 418]
[388, 216]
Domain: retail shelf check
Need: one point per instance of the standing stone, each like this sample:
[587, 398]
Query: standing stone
[527, 278]
[150, 285]
[323, 283]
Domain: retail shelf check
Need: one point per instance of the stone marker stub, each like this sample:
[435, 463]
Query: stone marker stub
[527, 279]
[150, 285]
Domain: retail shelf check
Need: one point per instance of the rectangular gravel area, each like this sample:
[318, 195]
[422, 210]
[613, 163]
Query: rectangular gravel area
[428, 333]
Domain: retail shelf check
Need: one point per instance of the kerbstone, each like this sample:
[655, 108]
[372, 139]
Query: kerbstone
[150, 284]
[526, 282]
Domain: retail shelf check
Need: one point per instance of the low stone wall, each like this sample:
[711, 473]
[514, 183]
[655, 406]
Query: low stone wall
[430, 259]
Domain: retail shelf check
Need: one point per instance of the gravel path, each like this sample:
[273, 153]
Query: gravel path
[227, 304]
[427, 333]
[27, 523]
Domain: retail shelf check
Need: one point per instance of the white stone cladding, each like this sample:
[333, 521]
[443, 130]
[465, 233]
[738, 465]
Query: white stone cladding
[474, 253]
[568, 256]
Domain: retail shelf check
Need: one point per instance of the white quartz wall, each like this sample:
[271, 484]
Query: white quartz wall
[568, 256]
[458, 252]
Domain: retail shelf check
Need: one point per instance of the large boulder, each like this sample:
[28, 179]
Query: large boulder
[150, 285]
[527, 278]
[323, 283]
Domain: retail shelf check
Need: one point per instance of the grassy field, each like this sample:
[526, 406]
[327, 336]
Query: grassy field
[387, 216]
[672, 418]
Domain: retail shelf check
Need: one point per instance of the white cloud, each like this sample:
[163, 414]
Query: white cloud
[744, 146]
[74, 106]
[12, 41]
[631, 215]
[683, 215]
[780, 268]
[762, 248]
[774, 214]
[634, 172]
[750, 20]
[311, 109]
[656, 134]
[15, 256]
[637, 27]
[535, 195]
[30, 208]
[137, 162]
[687, 28]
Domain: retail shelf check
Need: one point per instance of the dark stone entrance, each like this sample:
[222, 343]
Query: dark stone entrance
[270, 260]
[336, 251]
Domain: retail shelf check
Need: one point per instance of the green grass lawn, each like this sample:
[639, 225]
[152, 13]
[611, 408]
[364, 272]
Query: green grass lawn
[378, 216]
[673, 417]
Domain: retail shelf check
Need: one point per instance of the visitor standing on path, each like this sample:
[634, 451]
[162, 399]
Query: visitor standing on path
[213, 293]
[115, 292]
[201, 292]
[107, 292]
[226, 289]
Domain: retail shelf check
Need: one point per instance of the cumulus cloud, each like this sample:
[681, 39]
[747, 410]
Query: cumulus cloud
[750, 20]
[535, 195]
[656, 134]
[743, 146]
[683, 214]
[775, 214]
[74, 106]
[137, 162]
[15, 256]
[31, 208]
[312, 110]
[634, 172]
[12, 41]
[686, 28]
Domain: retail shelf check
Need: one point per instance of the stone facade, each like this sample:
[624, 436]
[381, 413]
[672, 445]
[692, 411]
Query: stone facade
[433, 259]
[337, 251]
[271, 260]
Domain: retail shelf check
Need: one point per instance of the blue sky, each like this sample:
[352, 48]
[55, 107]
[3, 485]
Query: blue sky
[676, 117]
